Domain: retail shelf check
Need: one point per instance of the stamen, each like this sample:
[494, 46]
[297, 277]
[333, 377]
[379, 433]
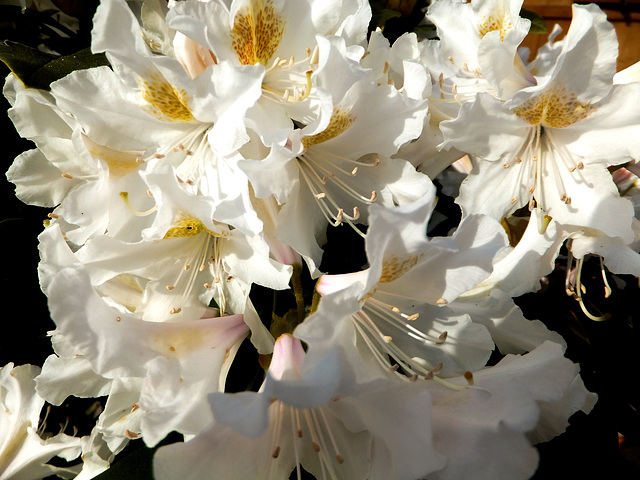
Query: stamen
[137, 213]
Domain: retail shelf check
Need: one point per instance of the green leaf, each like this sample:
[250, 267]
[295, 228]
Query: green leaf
[380, 17]
[39, 70]
[538, 25]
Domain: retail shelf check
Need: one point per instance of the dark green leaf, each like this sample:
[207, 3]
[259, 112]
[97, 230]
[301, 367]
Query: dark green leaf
[37, 69]
[380, 17]
[538, 25]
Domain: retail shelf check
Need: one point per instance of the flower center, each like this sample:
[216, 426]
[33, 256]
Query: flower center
[556, 108]
[496, 21]
[165, 101]
[205, 253]
[321, 168]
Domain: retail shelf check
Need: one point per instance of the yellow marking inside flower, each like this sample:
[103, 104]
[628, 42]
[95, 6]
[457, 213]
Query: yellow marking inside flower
[556, 109]
[339, 123]
[121, 162]
[187, 227]
[165, 101]
[179, 343]
[501, 23]
[256, 34]
[393, 268]
[190, 227]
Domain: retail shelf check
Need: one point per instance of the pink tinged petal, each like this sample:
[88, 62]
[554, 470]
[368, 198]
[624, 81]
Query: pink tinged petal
[287, 359]
[194, 57]
[119, 344]
[328, 284]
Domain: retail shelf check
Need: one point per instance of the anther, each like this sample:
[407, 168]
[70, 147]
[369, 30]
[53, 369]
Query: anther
[158, 155]
[340, 459]
[441, 301]
[413, 378]
[442, 338]
[413, 317]
[66, 175]
[315, 446]
[513, 199]
[276, 452]
[387, 338]
[170, 287]
[354, 171]
[173, 311]
[468, 376]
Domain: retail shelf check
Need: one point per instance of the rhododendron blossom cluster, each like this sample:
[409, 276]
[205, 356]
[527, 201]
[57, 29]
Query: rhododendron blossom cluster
[214, 156]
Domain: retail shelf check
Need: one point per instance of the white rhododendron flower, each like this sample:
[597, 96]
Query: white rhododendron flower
[310, 416]
[306, 238]
[550, 145]
[24, 454]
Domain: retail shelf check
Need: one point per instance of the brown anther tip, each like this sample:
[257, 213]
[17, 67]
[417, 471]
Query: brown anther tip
[429, 375]
[170, 287]
[175, 310]
[394, 368]
[173, 349]
[299, 432]
[506, 165]
[135, 407]
[315, 446]
[276, 452]
[340, 459]
[513, 199]
[66, 175]
[118, 319]
[131, 435]
[442, 338]
[437, 368]
[413, 378]
[468, 376]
